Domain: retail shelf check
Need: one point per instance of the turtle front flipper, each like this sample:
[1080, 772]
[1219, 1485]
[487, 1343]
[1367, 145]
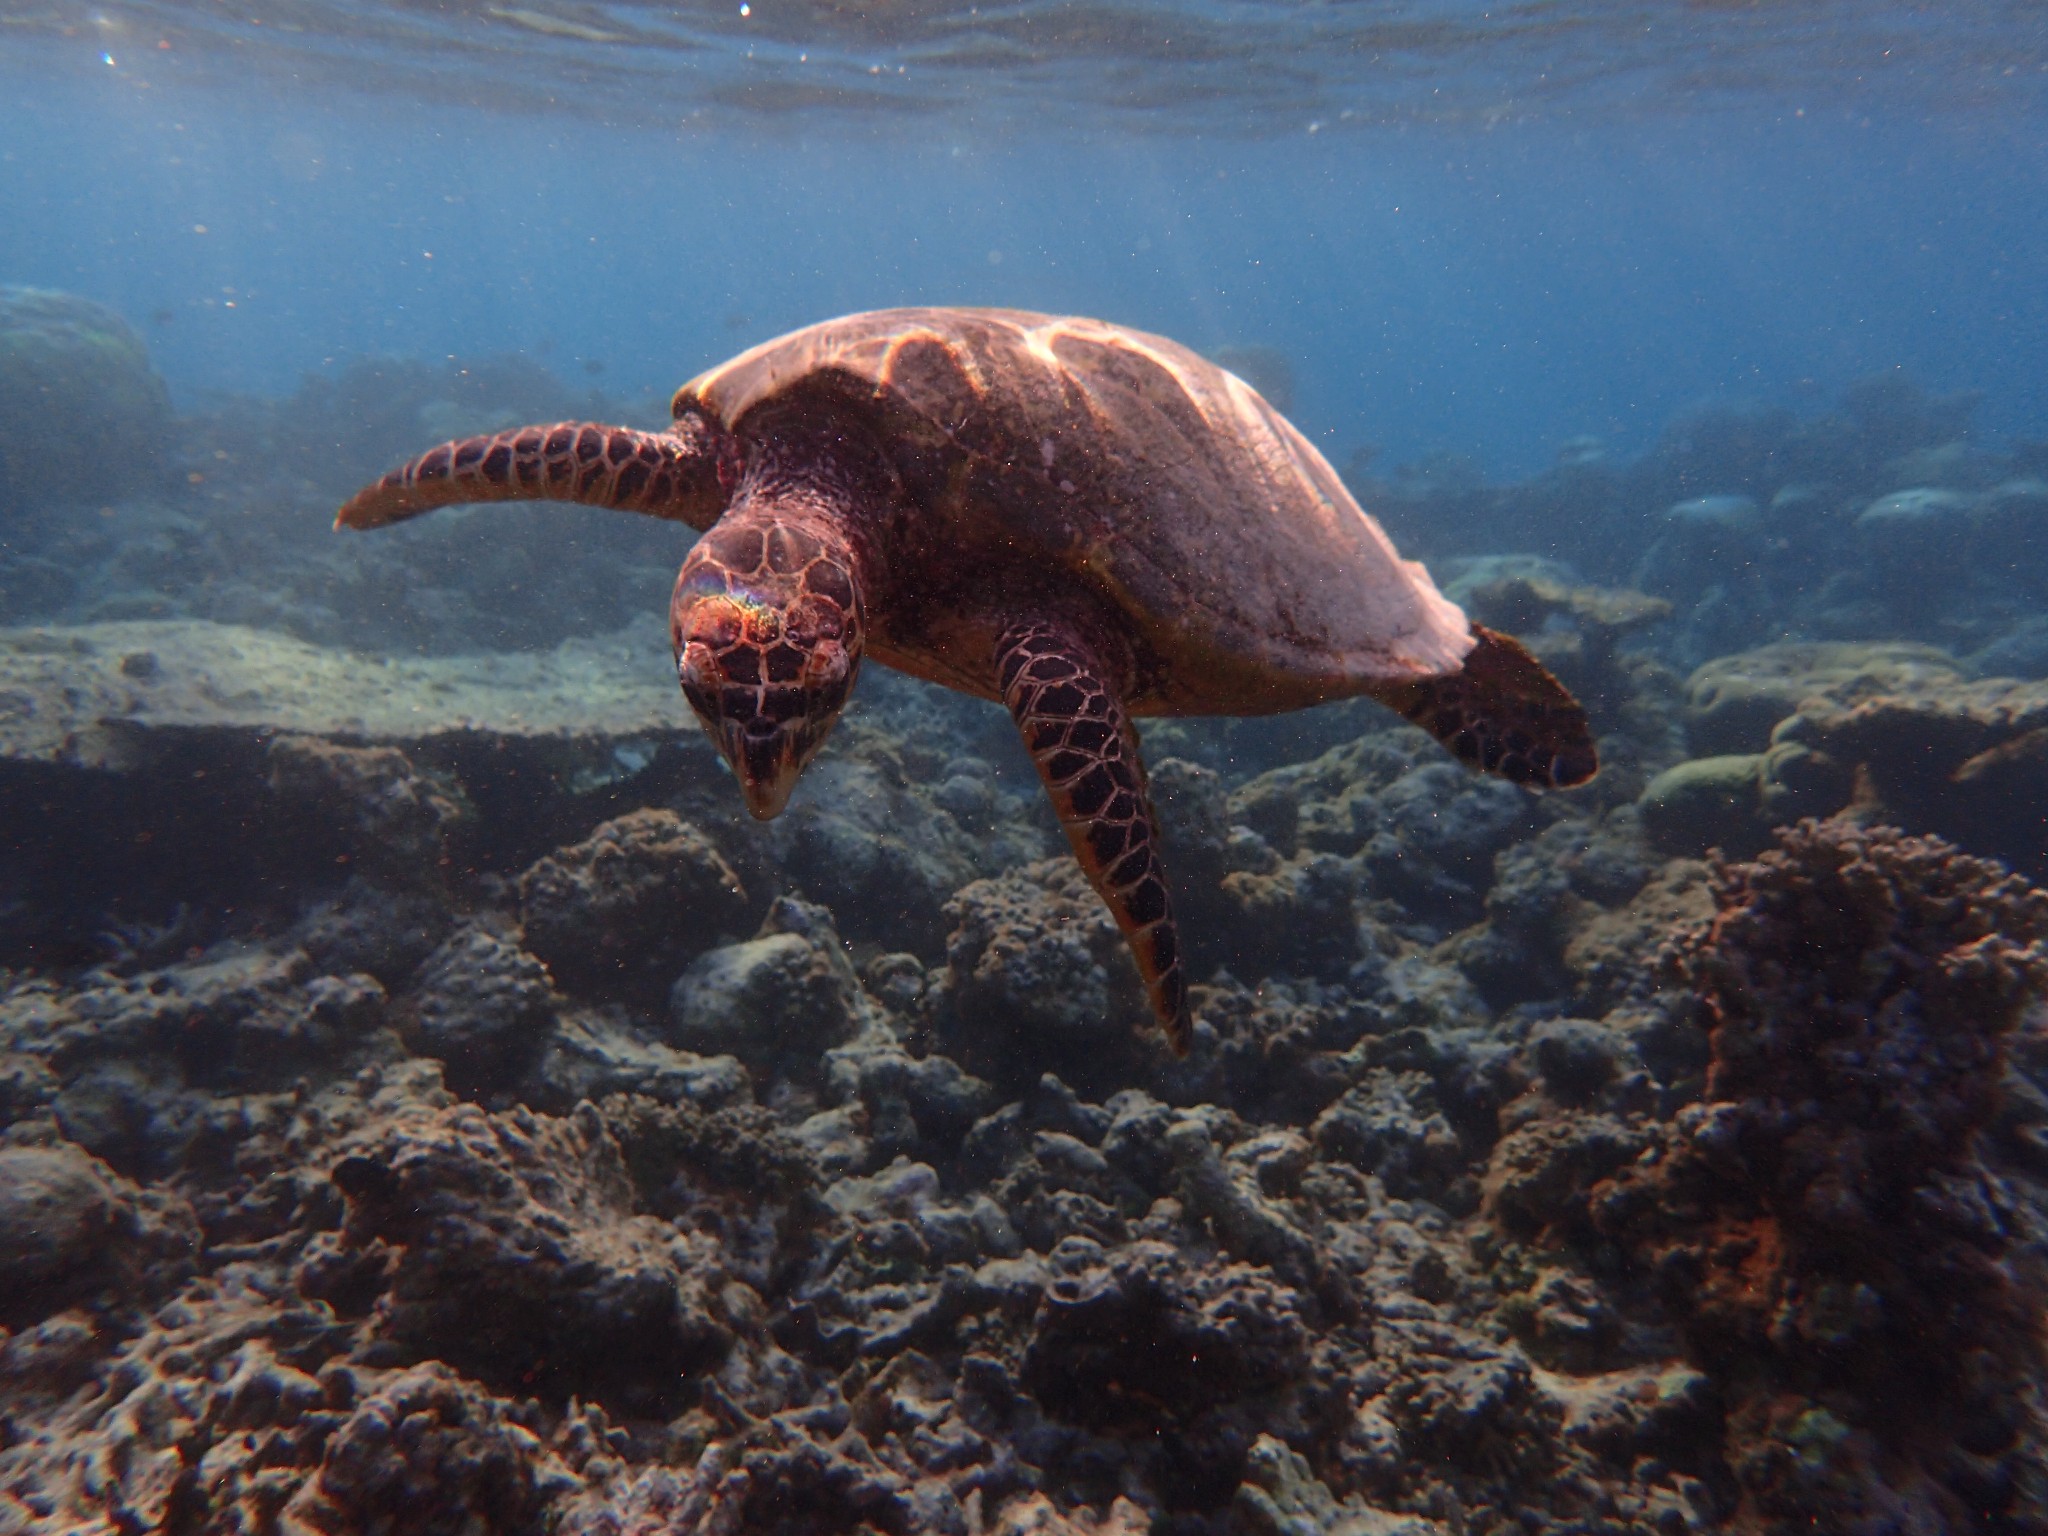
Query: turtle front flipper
[684, 474]
[1074, 726]
[1503, 713]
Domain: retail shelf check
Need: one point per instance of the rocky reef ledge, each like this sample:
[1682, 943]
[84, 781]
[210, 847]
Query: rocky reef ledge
[428, 1105]
[149, 766]
[91, 694]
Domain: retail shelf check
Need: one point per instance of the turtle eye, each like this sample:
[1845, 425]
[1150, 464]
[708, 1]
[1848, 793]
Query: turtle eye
[698, 671]
[716, 620]
[826, 667]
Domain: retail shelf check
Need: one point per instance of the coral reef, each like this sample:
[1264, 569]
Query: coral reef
[1760, 523]
[1822, 1225]
[84, 418]
[615, 915]
[428, 1104]
[508, 1246]
[1895, 732]
[835, 1237]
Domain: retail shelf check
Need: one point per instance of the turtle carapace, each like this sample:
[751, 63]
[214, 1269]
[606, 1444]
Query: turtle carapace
[1084, 522]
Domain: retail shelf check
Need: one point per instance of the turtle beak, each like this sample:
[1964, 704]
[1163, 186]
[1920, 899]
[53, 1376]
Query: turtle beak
[768, 734]
[767, 763]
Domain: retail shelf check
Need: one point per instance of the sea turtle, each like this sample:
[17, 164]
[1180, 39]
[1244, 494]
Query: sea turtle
[1082, 521]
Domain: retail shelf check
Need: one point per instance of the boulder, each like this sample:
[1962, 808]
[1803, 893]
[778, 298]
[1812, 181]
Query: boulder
[84, 418]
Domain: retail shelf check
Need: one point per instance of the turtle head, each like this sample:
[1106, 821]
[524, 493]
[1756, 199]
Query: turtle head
[767, 626]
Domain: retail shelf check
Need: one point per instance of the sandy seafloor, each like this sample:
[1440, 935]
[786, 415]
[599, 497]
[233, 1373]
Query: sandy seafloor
[431, 1105]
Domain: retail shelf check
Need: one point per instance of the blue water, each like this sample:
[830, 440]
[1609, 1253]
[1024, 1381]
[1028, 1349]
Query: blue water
[1754, 216]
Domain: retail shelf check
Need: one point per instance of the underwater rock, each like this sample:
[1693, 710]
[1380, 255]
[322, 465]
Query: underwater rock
[1056, 1188]
[1708, 802]
[865, 837]
[73, 1233]
[82, 699]
[789, 1475]
[1823, 1228]
[1704, 542]
[776, 1001]
[483, 1009]
[28, 1087]
[227, 1361]
[1575, 1058]
[424, 1440]
[1516, 954]
[913, 1105]
[152, 1066]
[1959, 761]
[1567, 1324]
[2021, 651]
[1142, 1337]
[1002, 1138]
[386, 934]
[1734, 703]
[1661, 1409]
[617, 915]
[1442, 829]
[1574, 875]
[1913, 546]
[1037, 976]
[84, 418]
[1390, 1125]
[589, 1053]
[1541, 1169]
[1192, 803]
[1036, 1515]
[508, 1246]
[1223, 873]
[1905, 531]
[1896, 729]
[56, 1211]
[392, 820]
[1472, 1402]
[122, 778]
[950, 1232]
[836, 1139]
[1296, 918]
[728, 1169]
[1281, 1496]
[1241, 1194]
[1423, 833]
[1241, 903]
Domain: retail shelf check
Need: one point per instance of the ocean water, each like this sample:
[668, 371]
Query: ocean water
[430, 1102]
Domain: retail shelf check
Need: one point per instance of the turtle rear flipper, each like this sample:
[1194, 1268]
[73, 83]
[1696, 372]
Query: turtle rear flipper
[1503, 713]
[682, 474]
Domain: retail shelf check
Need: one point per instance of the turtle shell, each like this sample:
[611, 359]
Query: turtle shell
[1061, 462]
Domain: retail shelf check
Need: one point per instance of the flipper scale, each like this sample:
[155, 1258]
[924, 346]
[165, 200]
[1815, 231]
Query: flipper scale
[1067, 710]
[681, 474]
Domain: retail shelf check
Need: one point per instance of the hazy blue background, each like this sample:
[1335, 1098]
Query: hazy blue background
[1589, 268]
